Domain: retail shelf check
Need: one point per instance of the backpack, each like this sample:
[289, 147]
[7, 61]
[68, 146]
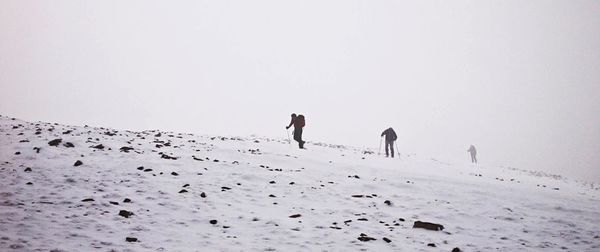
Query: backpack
[301, 121]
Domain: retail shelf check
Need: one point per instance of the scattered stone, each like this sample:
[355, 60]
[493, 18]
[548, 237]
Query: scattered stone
[125, 213]
[272, 196]
[186, 185]
[428, 226]
[401, 219]
[37, 149]
[165, 156]
[114, 203]
[295, 215]
[174, 173]
[272, 182]
[78, 163]
[27, 169]
[126, 149]
[29, 183]
[358, 196]
[147, 170]
[387, 239]
[55, 142]
[362, 219]
[127, 200]
[87, 200]
[213, 222]
[224, 188]
[365, 238]
[69, 145]
[456, 250]
[431, 245]
[183, 191]
[203, 195]
[99, 147]
[131, 239]
[140, 168]
[387, 202]
[18, 153]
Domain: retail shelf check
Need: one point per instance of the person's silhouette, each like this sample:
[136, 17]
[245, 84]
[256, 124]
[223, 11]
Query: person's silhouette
[473, 153]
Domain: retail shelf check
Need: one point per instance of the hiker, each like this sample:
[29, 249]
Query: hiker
[390, 137]
[473, 152]
[298, 122]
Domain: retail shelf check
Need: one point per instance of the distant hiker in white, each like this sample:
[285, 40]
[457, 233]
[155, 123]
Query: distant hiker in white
[390, 137]
[473, 152]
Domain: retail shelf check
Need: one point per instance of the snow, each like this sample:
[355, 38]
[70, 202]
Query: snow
[482, 208]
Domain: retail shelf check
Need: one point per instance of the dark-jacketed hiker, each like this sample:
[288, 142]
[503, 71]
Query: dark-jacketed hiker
[390, 137]
[298, 122]
[473, 152]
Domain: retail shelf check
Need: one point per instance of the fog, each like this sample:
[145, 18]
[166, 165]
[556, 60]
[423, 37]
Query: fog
[520, 80]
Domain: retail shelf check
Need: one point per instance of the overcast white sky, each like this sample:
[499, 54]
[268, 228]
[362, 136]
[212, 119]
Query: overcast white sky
[518, 79]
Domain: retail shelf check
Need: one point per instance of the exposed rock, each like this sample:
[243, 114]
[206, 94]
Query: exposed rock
[87, 200]
[387, 202]
[365, 238]
[428, 226]
[55, 142]
[27, 169]
[456, 250]
[295, 215]
[186, 185]
[126, 149]
[127, 200]
[69, 145]
[203, 195]
[165, 156]
[387, 239]
[37, 149]
[18, 153]
[113, 202]
[431, 245]
[140, 168]
[125, 213]
[99, 147]
[174, 173]
[78, 163]
[213, 222]
[131, 239]
[183, 191]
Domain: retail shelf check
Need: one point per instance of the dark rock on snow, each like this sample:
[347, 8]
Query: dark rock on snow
[69, 145]
[125, 213]
[431, 245]
[203, 195]
[213, 222]
[78, 163]
[55, 142]
[387, 239]
[87, 200]
[365, 238]
[131, 239]
[428, 226]
[295, 215]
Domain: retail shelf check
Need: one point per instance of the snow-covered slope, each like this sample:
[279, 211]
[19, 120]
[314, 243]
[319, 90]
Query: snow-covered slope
[183, 192]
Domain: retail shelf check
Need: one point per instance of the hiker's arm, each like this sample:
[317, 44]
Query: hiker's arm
[291, 123]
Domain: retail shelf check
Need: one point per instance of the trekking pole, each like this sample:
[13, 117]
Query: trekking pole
[379, 150]
[397, 150]
[288, 133]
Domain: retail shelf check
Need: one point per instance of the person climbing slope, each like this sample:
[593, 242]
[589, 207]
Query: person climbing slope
[298, 122]
[390, 137]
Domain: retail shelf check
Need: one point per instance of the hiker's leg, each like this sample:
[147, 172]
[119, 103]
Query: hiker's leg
[392, 147]
[387, 148]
